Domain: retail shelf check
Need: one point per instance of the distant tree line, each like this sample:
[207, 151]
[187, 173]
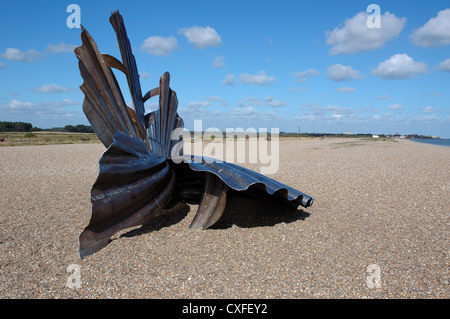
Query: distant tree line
[80, 128]
[15, 127]
[28, 127]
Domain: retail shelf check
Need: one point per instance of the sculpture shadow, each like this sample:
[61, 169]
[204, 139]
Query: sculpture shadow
[247, 212]
[241, 211]
[174, 212]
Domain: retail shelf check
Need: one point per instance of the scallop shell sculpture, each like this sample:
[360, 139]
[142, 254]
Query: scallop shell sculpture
[137, 176]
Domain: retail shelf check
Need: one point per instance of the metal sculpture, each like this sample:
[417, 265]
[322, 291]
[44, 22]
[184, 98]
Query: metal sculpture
[137, 176]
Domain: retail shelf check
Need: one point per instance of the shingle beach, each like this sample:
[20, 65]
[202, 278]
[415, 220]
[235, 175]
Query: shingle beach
[381, 205]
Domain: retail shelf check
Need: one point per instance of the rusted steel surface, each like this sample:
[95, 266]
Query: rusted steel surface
[132, 187]
[137, 176]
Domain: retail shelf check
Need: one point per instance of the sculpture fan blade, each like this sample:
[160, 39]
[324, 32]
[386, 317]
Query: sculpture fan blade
[132, 187]
[212, 204]
[103, 104]
[129, 62]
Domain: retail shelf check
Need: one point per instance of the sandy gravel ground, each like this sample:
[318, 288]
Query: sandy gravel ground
[378, 204]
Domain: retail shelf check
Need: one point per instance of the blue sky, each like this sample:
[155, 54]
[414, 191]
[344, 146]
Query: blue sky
[261, 64]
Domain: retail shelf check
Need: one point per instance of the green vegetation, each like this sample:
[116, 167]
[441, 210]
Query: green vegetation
[29, 135]
[21, 133]
[46, 138]
[15, 127]
[79, 128]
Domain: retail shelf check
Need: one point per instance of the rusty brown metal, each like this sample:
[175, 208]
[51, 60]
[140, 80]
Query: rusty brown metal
[212, 204]
[132, 187]
[137, 176]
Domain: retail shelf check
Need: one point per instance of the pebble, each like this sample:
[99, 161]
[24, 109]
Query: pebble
[382, 203]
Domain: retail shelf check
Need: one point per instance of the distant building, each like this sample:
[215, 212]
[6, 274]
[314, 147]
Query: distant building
[375, 136]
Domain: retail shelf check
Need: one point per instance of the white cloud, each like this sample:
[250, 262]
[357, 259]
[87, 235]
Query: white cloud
[339, 73]
[245, 112]
[444, 65]
[428, 109]
[299, 90]
[355, 36]
[328, 113]
[260, 79]
[144, 75]
[346, 89]
[200, 104]
[217, 99]
[251, 101]
[428, 118]
[386, 117]
[60, 47]
[16, 105]
[436, 32]
[13, 54]
[158, 45]
[219, 62]
[52, 88]
[383, 97]
[201, 37]
[303, 75]
[28, 111]
[270, 101]
[399, 66]
[229, 80]
[395, 107]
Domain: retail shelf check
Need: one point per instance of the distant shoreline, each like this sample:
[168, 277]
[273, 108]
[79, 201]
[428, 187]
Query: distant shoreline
[432, 141]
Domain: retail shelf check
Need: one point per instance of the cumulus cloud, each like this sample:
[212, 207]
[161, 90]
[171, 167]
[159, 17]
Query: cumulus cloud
[216, 99]
[53, 113]
[13, 54]
[428, 109]
[28, 111]
[270, 101]
[219, 62]
[32, 55]
[245, 112]
[436, 32]
[260, 79]
[200, 104]
[145, 75]
[346, 89]
[327, 113]
[60, 47]
[303, 75]
[229, 80]
[201, 37]
[399, 66]
[395, 107]
[52, 88]
[355, 36]
[444, 65]
[158, 45]
[299, 90]
[251, 101]
[431, 118]
[339, 73]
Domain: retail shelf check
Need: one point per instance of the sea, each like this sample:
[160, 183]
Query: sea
[435, 141]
